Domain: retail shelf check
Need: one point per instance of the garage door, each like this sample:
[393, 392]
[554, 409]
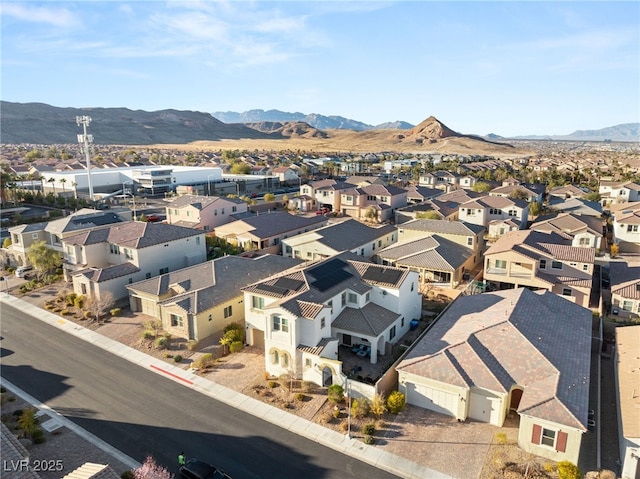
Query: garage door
[434, 399]
[483, 408]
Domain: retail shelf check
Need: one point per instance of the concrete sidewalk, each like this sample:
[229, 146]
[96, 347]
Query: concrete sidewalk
[302, 427]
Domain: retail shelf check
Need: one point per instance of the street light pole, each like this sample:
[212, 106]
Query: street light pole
[209, 185]
[346, 383]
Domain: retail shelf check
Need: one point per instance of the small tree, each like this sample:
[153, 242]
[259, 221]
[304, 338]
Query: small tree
[428, 215]
[28, 422]
[396, 402]
[6, 243]
[269, 197]
[359, 407]
[371, 214]
[43, 259]
[150, 469]
[98, 306]
[481, 187]
[615, 249]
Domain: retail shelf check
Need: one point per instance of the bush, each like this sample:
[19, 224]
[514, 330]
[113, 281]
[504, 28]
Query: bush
[114, 312]
[307, 386]
[273, 384]
[161, 342]
[65, 312]
[71, 298]
[335, 393]
[301, 397]
[48, 306]
[206, 361]
[378, 405]
[368, 440]
[148, 335]
[501, 438]
[550, 467]
[177, 358]
[87, 315]
[368, 429]
[396, 402]
[192, 345]
[336, 412]
[359, 407]
[235, 347]
[78, 302]
[568, 470]
[127, 475]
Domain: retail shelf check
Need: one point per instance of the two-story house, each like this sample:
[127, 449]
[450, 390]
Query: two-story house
[419, 194]
[287, 175]
[533, 192]
[327, 193]
[195, 302]
[302, 316]
[383, 200]
[265, 232]
[330, 240]
[612, 192]
[446, 206]
[204, 212]
[107, 259]
[625, 288]
[626, 226]
[540, 260]
[584, 231]
[440, 179]
[52, 232]
[489, 211]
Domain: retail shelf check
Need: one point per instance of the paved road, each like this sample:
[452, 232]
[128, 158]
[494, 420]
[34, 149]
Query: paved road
[141, 413]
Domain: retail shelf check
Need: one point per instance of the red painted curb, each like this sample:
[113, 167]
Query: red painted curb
[171, 374]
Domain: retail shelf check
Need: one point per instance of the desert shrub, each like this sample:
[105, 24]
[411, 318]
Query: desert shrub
[28, 422]
[273, 384]
[71, 298]
[127, 475]
[336, 412]
[57, 309]
[301, 397]
[167, 355]
[78, 301]
[344, 426]
[65, 312]
[48, 306]
[501, 438]
[607, 474]
[568, 470]
[235, 347]
[550, 467]
[160, 342]
[306, 386]
[359, 407]
[335, 393]
[368, 439]
[378, 405]
[234, 331]
[87, 315]
[396, 402]
[206, 361]
[152, 324]
[368, 429]
[114, 312]
[177, 358]
[148, 334]
[192, 345]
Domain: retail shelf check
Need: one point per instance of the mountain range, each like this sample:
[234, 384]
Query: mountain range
[39, 123]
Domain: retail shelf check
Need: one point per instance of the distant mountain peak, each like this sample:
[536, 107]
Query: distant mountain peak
[433, 129]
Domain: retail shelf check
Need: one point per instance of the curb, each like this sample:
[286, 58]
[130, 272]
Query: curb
[327, 437]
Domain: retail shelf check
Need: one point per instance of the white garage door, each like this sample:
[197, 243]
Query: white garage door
[483, 408]
[434, 399]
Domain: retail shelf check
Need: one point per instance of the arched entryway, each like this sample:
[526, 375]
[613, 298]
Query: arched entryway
[516, 396]
[327, 377]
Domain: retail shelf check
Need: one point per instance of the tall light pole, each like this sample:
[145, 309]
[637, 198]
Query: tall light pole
[346, 383]
[85, 140]
[209, 184]
[133, 196]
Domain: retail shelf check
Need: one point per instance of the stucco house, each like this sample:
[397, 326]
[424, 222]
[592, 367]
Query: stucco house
[481, 211]
[203, 212]
[265, 232]
[627, 373]
[287, 175]
[383, 200]
[105, 260]
[626, 226]
[584, 231]
[613, 192]
[541, 260]
[533, 192]
[625, 288]
[330, 240]
[508, 351]
[198, 301]
[302, 316]
[327, 193]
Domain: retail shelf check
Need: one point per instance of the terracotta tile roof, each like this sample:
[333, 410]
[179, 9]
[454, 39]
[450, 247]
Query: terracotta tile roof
[625, 279]
[434, 253]
[370, 320]
[318, 348]
[107, 273]
[537, 340]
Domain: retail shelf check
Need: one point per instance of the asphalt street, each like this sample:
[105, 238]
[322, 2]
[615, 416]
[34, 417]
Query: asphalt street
[141, 413]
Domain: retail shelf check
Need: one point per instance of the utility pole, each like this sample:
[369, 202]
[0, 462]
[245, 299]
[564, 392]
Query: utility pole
[85, 140]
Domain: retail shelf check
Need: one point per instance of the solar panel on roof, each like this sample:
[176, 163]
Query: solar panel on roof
[329, 280]
[270, 288]
[382, 275]
[289, 283]
[327, 268]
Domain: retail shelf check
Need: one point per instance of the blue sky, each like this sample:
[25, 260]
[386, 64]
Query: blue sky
[510, 68]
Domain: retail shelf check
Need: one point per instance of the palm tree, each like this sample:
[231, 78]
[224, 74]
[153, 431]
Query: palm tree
[63, 181]
[52, 180]
[75, 189]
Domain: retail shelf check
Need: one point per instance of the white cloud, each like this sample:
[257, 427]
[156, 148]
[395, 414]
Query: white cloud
[58, 17]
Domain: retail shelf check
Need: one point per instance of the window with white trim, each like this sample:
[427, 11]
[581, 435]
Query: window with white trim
[627, 305]
[280, 324]
[548, 437]
[543, 264]
[176, 320]
[352, 298]
[257, 302]
[566, 291]
[228, 311]
[323, 322]
[501, 264]
[556, 265]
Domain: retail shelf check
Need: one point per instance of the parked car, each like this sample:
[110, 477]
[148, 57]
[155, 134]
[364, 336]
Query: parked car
[196, 469]
[22, 271]
[153, 218]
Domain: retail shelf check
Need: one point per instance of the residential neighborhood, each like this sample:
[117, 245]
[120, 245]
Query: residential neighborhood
[332, 280]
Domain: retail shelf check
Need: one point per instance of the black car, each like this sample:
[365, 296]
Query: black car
[196, 469]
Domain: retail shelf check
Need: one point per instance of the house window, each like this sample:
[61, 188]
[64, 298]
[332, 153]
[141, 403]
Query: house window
[234, 209]
[176, 320]
[469, 241]
[373, 246]
[114, 249]
[285, 360]
[287, 249]
[379, 243]
[280, 324]
[392, 333]
[128, 253]
[402, 322]
[548, 437]
[275, 357]
[543, 264]
[585, 267]
[411, 285]
[471, 212]
[344, 299]
[307, 363]
[367, 297]
[330, 304]
[501, 264]
[585, 241]
[228, 312]
[566, 291]
[632, 228]
[349, 198]
[257, 302]
[361, 251]
[34, 235]
[627, 305]
[323, 322]
[222, 211]
[556, 265]
[215, 212]
[296, 253]
[352, 298]
[164, 270]
[513, 213]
